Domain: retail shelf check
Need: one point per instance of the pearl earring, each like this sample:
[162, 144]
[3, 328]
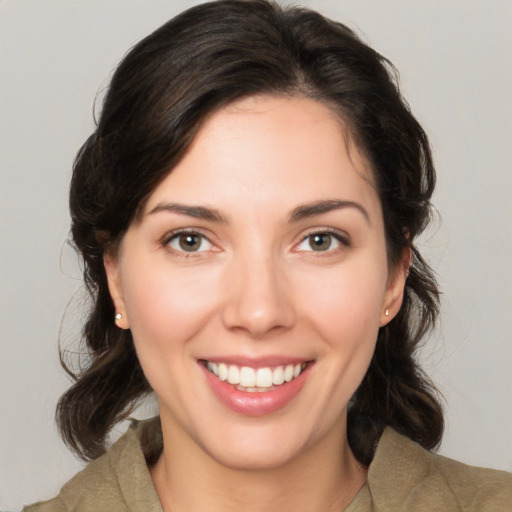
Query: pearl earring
[118, 317]
[386, 312]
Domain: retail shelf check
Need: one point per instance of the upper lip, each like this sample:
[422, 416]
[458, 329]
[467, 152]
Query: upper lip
[257, 362]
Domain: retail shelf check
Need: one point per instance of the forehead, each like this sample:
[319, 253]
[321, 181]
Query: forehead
[264, 149]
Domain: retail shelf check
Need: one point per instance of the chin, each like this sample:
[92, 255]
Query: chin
[261, 445]
[255, 457]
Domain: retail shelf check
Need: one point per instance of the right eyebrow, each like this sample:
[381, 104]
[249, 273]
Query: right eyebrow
[198, 212]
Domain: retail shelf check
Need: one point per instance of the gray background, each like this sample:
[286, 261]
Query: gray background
[454, 58]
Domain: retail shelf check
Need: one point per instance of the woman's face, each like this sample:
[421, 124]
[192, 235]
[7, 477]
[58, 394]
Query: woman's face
[255, 282]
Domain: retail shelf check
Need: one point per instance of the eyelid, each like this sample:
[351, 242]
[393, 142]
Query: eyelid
[340, 236]
[175, 233]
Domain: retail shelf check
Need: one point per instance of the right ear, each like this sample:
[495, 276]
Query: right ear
[111, 265]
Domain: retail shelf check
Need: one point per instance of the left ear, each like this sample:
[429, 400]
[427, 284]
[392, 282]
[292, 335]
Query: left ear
[395, 288]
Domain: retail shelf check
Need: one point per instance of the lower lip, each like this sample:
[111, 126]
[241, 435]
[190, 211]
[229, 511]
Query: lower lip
[256, 403]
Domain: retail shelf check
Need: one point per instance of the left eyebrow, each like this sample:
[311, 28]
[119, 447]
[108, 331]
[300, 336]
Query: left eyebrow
[198, 212]
[318, 207]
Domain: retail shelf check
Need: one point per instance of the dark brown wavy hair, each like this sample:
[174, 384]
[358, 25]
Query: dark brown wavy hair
[160, 95]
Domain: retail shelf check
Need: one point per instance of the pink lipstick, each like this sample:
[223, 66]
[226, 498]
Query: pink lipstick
[254, 390]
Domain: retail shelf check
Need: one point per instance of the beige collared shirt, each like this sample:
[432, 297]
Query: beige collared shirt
[403, 477]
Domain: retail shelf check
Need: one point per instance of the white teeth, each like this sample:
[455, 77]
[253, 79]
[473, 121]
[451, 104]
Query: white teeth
[247, 377]
[278, 376]
[213, 367]
[264, 378]
[252, 390]
[233, 374]
[250, 379]
[288, 373]
[223, 371]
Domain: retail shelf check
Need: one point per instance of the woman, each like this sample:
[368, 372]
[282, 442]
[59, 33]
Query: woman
[247, 210]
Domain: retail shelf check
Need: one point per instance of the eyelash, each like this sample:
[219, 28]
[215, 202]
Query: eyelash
[339, 237]
[175, 235]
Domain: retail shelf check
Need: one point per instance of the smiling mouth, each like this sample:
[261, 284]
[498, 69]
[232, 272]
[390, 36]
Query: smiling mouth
[255, 380]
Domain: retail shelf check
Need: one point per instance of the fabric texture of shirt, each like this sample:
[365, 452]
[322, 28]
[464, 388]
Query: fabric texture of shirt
[403, 477]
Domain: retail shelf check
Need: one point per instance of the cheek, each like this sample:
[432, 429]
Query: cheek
[344, 308]
[346, 302]
[168, 306]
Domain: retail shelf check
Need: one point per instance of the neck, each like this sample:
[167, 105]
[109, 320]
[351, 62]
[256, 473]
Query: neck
[324, 477]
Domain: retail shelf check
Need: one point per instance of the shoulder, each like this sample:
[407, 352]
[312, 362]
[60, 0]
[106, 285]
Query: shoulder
[404, 476]
[117, 481]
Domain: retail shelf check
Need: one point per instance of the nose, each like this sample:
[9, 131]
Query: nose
[258, 300]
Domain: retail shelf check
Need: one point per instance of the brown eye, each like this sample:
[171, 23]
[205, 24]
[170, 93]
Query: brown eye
[323, 241]
[189, 242]
[320, 241]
